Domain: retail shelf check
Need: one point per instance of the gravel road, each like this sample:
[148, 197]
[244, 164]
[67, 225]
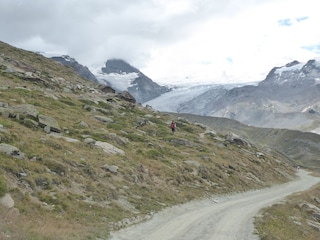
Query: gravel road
[221, 218]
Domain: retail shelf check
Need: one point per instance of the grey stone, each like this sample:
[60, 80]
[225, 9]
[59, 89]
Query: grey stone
[125, 95]
[7, 201]
[108, 148]
[89, 141]
[4, 105]
[83, 124]
[112, 168]
[11, 151]
[26, 109]
[104, 119]
[47, 121]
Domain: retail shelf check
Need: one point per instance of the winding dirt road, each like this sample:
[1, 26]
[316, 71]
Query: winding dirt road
[222, 218]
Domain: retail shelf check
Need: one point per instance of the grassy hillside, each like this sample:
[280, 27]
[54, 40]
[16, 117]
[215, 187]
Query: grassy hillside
[77, 161]
[303, 148]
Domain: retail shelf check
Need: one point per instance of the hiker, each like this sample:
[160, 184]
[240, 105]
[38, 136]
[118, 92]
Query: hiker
[173, 126]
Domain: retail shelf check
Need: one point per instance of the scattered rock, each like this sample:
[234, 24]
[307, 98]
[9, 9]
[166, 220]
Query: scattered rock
[314, 224]
[309, 207]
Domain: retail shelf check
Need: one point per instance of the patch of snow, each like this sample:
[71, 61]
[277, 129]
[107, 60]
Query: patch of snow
[316, 131]
[120, 82]
[296, 67]
[170, 101]
[50, 54]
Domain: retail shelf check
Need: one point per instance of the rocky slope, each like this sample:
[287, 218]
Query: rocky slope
[289, 97]
[78, 159]
[77, 67]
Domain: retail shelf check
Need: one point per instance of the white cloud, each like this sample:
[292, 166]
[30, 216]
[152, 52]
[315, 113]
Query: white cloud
[170, 40]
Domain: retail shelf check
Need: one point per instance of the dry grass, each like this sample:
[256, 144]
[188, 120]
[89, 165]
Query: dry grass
[288, 220]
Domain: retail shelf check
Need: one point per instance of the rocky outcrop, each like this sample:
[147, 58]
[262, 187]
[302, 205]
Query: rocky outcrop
[30, 116]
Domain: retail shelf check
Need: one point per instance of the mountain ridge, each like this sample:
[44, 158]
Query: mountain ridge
[289, 97]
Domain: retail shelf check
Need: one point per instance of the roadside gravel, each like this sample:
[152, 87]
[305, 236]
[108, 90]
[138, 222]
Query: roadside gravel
[222, 218]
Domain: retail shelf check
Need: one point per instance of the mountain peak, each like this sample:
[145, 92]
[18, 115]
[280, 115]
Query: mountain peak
[290, 64]
[124, 77]
[118, 66]
[294, 74]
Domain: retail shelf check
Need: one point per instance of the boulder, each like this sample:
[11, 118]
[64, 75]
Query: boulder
[107, 89]
[26, 109]
[112, 168]
[127, 97]
[234, 139]
[11, 151]
[103, 119]
[7, 201]
[108, 148]
[49, 123]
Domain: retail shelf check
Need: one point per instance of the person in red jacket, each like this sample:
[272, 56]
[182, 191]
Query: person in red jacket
[173, 126]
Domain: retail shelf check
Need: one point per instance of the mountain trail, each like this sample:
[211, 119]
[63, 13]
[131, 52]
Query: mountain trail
[220, 218]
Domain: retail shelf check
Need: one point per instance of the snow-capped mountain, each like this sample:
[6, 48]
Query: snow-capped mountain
[121, 76]
[289, 97]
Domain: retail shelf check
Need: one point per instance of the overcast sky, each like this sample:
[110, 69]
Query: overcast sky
[170, 41]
